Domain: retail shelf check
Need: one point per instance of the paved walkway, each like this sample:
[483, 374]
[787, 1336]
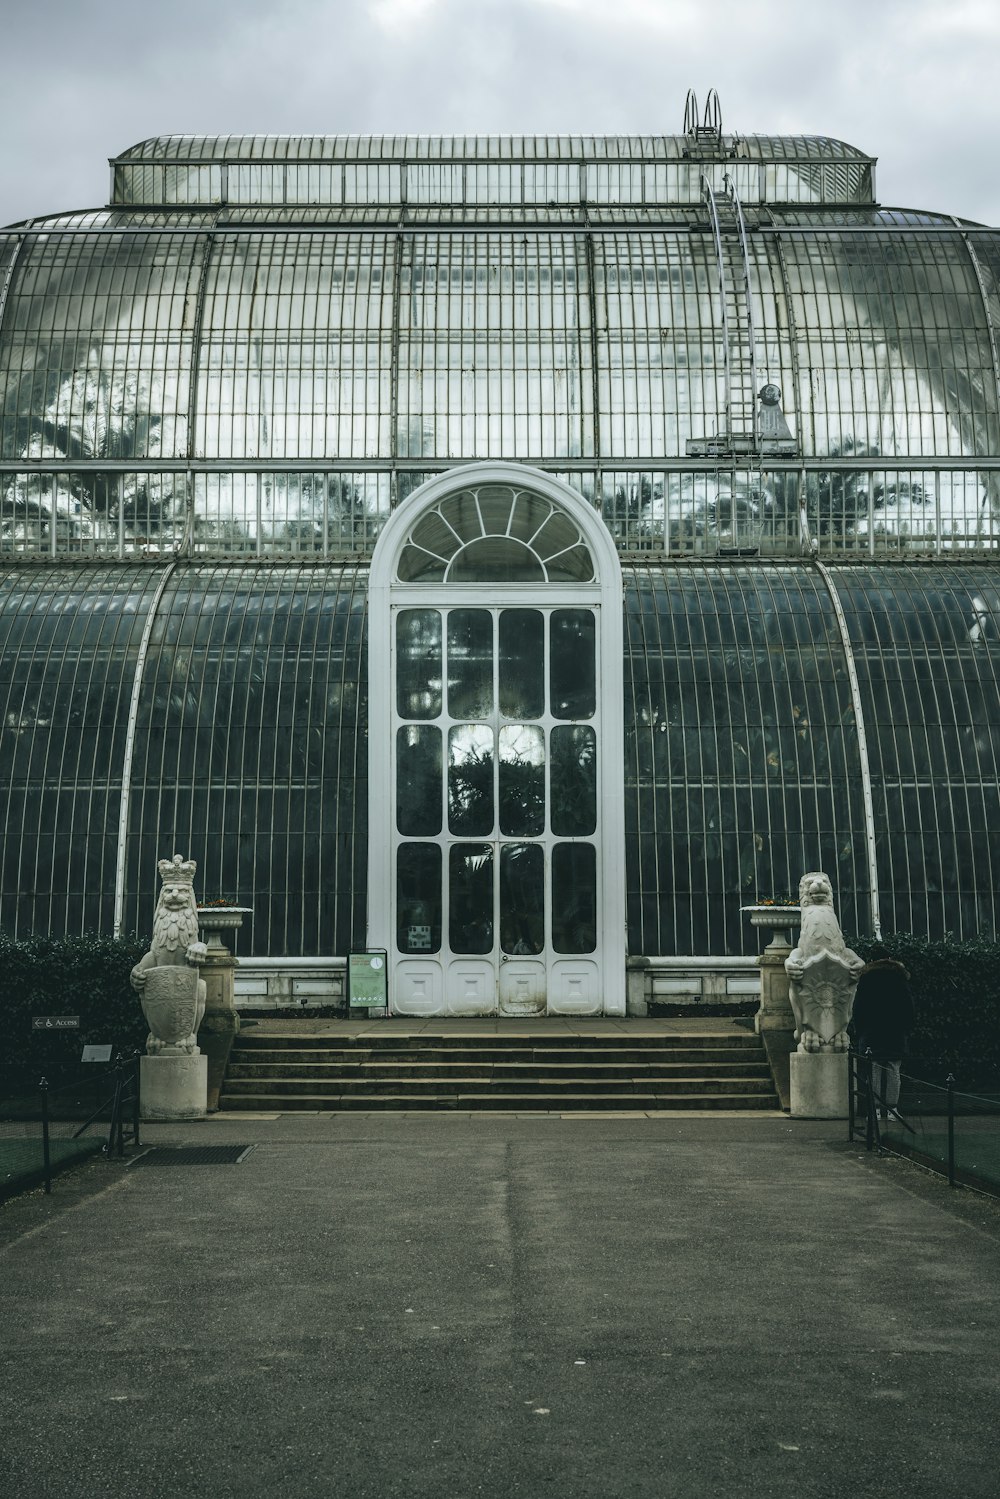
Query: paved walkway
[441, 1306]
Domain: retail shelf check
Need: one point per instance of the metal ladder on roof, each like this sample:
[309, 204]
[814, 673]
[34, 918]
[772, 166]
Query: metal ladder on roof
[739, 432]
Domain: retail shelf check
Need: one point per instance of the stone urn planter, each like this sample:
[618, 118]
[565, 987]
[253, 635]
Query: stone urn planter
[213, 920]
[775, 1012]
[779, 920]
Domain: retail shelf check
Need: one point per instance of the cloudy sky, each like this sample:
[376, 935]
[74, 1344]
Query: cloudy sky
[912, 81]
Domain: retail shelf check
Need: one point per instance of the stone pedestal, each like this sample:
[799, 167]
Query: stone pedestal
[819, 1084]
[775, 1013]
[221, 1024]
[173, 1087]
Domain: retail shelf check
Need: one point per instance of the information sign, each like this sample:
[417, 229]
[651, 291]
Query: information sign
[55, 1022]
[96, 1054]
[366, 980]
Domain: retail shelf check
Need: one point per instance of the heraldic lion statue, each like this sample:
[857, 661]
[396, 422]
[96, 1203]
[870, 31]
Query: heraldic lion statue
[822, 971]
[166, 979]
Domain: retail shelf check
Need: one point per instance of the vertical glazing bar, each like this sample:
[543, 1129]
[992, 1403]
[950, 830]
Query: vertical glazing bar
[859, 719]
[133, 710]
[793, 348]
[595, 381]
[741, 230]
[46, 1157]
[713, 215]
[398, 261]
[199, 319]
[937, 511]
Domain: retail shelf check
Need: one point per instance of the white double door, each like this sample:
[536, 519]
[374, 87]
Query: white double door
[496, 806]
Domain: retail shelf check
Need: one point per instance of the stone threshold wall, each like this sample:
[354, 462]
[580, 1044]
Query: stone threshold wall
[309, 983]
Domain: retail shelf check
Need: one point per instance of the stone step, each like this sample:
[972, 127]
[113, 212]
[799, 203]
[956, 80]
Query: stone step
[750, 1051]
[531, 1071]
[264, 1065]
[490, 1041]
[287, 1087]
[542, 1103]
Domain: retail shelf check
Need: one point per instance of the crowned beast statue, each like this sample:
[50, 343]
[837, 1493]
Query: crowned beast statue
[822, 971]
[166, 979]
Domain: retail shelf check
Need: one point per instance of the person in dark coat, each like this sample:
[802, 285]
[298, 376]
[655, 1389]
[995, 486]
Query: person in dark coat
[881, 1020]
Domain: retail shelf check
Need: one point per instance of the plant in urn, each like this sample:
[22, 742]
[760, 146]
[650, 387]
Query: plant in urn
[167, 981]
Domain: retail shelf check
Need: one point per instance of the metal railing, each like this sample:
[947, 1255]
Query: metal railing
[833, 507]
[48, 1128]
[942, 1127]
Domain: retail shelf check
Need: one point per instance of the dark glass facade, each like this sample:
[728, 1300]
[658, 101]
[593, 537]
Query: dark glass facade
[214, 392]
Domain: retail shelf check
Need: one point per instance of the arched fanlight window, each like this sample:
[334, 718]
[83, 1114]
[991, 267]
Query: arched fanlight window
[495, 533]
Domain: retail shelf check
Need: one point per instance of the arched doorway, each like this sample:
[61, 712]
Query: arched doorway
[496, 852]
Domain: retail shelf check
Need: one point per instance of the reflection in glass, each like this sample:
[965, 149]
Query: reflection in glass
[418, 898]
[574, 781]
[418, 780]
[522, 663]
[574, 897]
[470, 779]
[470, 898]
[572, 675]
[470, 663]
[496, 559]
[522, 780]
[418, 663]
[522, 898]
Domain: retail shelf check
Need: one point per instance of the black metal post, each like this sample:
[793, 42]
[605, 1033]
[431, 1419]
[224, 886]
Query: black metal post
[951, 1130]
[852, 1085]
[873, 1136]
[135, 1099]
[43, 1087]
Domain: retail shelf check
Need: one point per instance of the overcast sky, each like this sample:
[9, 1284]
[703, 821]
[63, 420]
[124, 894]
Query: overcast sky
[912, 81]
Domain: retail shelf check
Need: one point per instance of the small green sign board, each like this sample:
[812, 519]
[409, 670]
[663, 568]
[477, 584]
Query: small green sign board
[367, 987]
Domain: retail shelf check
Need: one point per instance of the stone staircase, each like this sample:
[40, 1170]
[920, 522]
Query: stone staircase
[286, 1071]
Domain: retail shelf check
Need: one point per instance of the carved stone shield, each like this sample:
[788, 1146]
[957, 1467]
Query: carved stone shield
[170, 1003]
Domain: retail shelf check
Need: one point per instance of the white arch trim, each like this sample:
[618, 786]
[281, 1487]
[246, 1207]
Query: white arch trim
[606, 591]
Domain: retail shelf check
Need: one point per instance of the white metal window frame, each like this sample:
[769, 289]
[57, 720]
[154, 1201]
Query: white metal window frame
[605, 592]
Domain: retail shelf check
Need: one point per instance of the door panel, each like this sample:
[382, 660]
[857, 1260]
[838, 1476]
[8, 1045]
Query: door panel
[522, 987]
[496, 749]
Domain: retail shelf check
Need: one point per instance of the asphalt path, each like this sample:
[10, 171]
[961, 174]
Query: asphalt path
[444, 1306]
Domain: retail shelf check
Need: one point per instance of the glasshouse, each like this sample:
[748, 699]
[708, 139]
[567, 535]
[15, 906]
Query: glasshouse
[517, 553]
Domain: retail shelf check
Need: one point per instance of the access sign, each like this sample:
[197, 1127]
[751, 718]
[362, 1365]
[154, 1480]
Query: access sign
[55, 1022]
[366, 980]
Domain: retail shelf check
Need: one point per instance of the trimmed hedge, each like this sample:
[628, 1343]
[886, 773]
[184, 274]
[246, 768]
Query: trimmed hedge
[956, 996]
[85, 976]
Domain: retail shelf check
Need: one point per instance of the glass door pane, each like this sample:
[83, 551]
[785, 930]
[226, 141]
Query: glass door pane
[522, 898]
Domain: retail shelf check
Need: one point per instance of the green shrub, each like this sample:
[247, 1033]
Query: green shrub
[956, 996]
[85, 976]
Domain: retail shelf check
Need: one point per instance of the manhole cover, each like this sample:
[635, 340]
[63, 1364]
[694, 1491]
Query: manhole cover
[193, 1155]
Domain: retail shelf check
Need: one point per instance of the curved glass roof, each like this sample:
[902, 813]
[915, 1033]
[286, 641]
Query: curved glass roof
[482, 148]
[275, 367]
[743, 759]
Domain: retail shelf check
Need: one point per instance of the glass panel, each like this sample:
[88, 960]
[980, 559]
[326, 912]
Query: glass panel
[418, 898]
[470, 904]
[574, 897]
[418, 780]
[496, 559]
[522, 663]
[572, 679]
[522, 780]
[418, 663]
[470, 663]
[574, 781]
[470, 779]
[522, 898]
